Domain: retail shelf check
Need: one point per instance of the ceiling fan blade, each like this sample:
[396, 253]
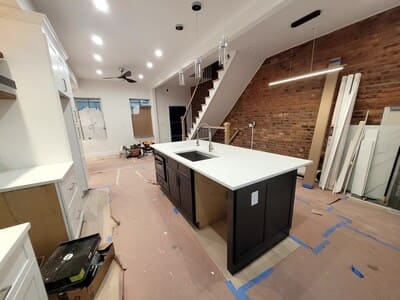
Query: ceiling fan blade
[130, 80]
[110, 77]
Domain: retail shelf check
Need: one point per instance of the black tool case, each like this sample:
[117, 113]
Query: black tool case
[73, 264]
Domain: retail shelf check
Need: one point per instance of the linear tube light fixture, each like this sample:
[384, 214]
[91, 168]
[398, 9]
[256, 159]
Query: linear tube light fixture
[307, 75]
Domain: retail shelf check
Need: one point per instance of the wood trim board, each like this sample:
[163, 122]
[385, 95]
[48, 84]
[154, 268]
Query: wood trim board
[329, 173]
[321, 124]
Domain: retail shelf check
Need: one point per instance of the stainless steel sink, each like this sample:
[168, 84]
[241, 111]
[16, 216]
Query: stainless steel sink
[195, 155]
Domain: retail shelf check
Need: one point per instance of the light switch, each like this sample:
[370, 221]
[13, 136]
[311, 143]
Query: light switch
[254, 198]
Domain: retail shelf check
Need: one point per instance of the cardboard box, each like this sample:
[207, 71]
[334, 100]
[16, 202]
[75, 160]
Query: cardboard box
[89, 292]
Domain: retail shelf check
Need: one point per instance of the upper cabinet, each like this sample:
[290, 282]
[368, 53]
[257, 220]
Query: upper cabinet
[58, 59]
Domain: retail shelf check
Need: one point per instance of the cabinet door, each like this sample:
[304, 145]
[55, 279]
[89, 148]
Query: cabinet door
[250, 204]
[280, 196]
[186, 196]
[32, 285]
[173, 186]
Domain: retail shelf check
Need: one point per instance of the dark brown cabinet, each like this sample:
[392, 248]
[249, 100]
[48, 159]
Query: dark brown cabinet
[259, 217]
[178, 185]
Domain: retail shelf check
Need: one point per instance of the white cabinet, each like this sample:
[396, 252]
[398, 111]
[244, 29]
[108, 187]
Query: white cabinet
[60, 71]
[20, 276]
[72, 202]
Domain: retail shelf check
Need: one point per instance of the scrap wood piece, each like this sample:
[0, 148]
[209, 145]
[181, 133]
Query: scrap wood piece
[334, 201]
[317, 212]
[118, 222]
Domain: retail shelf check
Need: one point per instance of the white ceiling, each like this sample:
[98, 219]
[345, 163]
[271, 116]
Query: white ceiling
[133, 29]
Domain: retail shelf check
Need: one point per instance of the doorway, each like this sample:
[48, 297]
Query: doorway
[175, 114]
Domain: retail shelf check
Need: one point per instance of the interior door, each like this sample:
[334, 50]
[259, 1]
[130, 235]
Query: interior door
[175, 114]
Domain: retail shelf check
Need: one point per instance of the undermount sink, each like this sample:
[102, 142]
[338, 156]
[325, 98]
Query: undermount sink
[195, 155]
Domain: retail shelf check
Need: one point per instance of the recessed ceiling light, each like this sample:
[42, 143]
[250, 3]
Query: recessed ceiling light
[99, 72]
[158, 52]
[97, 57]
[140, 76]
[97, 40]
[101, 5]
[150, 65]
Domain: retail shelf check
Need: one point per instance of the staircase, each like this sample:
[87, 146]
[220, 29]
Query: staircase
[224, 93]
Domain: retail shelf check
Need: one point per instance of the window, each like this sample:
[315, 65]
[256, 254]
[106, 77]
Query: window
[91, 119]
[141, 118]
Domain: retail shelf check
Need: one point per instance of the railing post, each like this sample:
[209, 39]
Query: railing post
[227, 126]
[183, 128]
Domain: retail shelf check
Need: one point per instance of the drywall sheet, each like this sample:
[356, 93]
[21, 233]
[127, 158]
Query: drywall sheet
[387, 144]
[393, 195]
[391, 116]
[363, 162]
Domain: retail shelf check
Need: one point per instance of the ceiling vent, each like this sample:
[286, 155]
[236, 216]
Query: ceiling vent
[306, 18]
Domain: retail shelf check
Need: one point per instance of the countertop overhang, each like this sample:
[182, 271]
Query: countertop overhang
[38, 175]
[233, 167]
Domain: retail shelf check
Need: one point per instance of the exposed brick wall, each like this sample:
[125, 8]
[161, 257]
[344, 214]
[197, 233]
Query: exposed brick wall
[285, 115]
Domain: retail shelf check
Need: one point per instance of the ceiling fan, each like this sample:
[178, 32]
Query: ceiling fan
[125, 74]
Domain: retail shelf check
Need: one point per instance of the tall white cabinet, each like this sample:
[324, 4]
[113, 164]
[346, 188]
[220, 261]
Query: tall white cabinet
[39, 134]
[62, 76]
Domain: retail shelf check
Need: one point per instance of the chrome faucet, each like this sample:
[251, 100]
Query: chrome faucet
[210, 145]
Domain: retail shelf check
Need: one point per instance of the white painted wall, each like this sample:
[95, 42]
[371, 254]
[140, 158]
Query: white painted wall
[166, 96]
[114, 97]
[32, 128]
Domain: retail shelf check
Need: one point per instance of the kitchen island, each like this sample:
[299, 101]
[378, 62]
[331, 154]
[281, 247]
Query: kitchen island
[250, 192]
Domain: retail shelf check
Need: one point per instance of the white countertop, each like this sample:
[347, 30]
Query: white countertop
[38, 175]
[233, 167]
[9, 238]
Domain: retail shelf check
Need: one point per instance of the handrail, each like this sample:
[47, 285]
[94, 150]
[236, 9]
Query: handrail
[191, 99]
[234, 136]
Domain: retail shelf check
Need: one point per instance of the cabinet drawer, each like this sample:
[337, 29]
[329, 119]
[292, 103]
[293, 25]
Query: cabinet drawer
[184, 170]
[69, 187]
[15, 268]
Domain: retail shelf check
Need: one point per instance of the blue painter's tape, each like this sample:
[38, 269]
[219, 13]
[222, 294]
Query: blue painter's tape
[240, 293]
[329, 208]
[320, 247]
[302, 200]
[257, 279]
[345, 219]
[300, 242]
[335, 227]
[397, 248]
[109, 239]
[357, 272]
[308, 186]
[176, 210]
